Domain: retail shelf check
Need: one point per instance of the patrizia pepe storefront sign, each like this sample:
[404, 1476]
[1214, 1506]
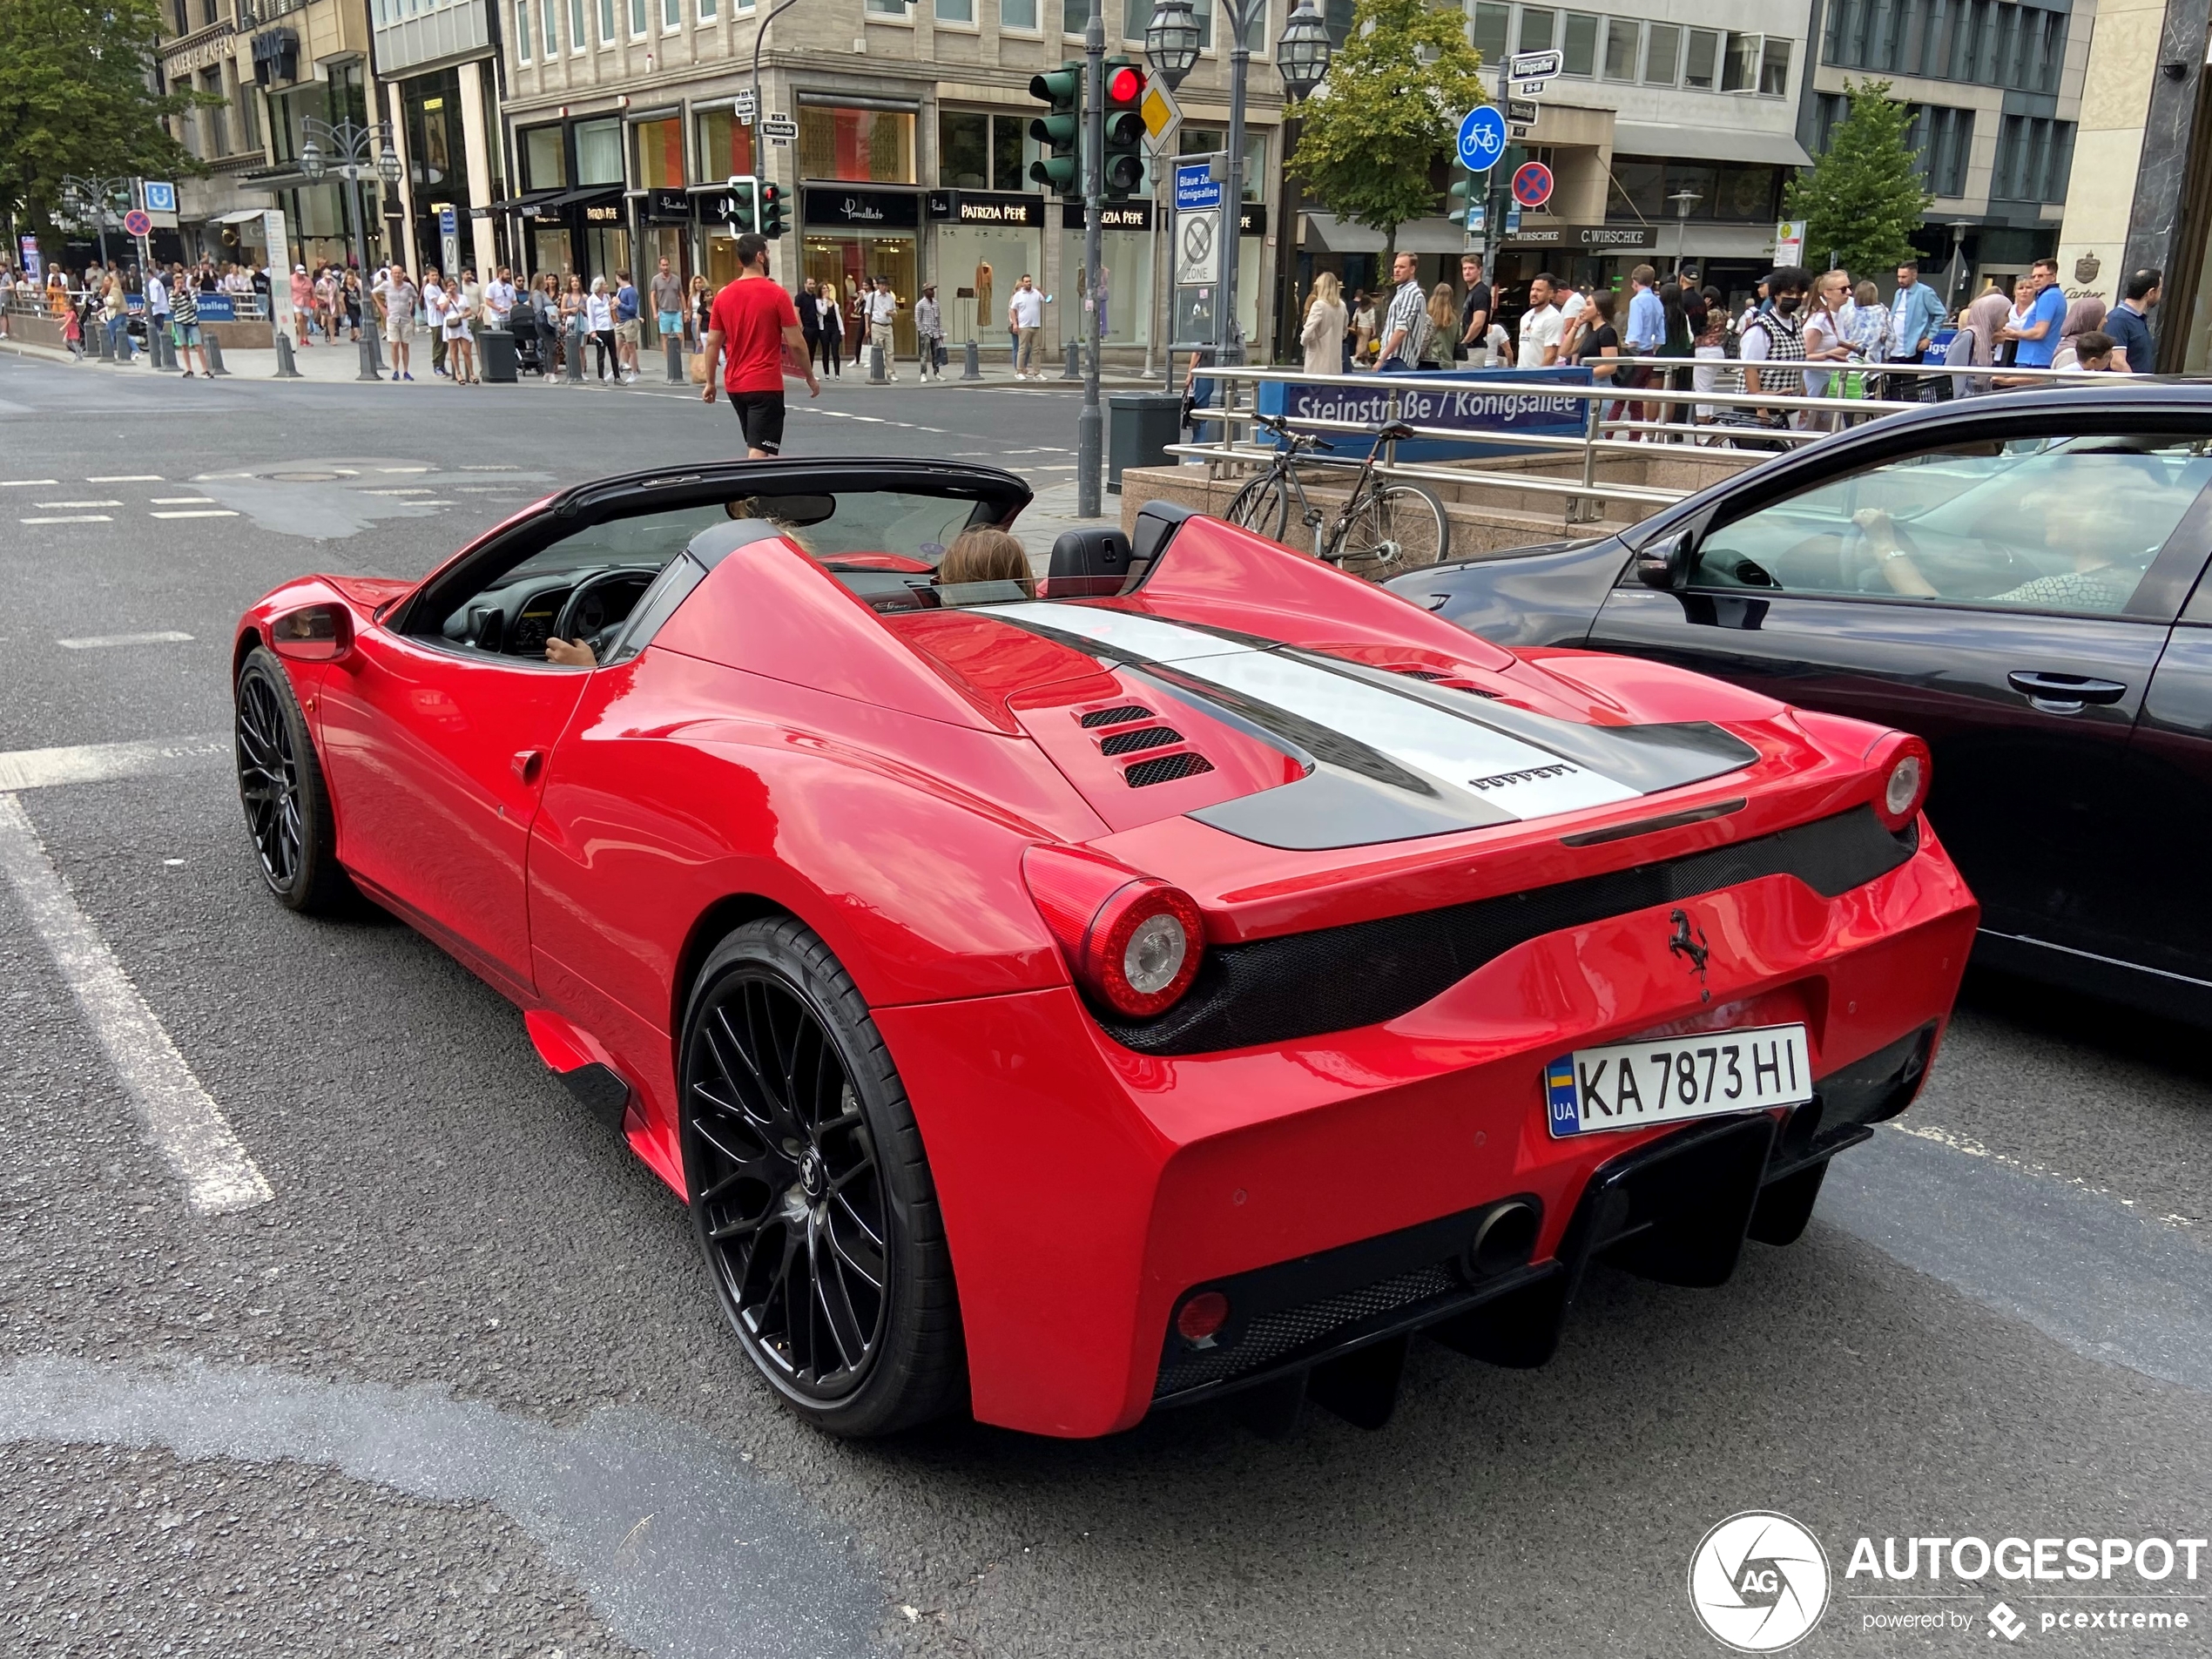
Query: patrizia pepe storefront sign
[841, 207]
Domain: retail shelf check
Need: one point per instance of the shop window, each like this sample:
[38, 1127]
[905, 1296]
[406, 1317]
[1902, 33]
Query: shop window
[1011, 150]
[598, 152]
[1746, 195]
[1637, 189]
[1700, 59]
[660, 154]
[866, 146]
[725, 145]
[1020, 15]
[1662, 54]
[1579, 53]
[544, 165]
[1489, 31]
[1622, 36]
[963, 150]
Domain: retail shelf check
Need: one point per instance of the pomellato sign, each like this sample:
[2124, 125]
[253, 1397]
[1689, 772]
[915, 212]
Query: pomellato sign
[829, 207]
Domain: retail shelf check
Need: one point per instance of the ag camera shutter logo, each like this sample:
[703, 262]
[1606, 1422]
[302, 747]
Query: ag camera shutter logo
[1758, 1582]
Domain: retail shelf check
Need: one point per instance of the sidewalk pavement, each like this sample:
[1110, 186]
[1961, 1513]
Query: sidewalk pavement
[340, 364]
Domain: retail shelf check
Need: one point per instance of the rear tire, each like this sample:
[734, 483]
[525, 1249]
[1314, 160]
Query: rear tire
[1399, 527]
[811, 1193]
[1263, 506]
[280, 784]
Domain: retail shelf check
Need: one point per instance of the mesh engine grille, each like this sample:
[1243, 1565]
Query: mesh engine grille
[1337, 979]
[1165, 768]
[1272, 1335]
[1116, 716]
[1145, 737]
[1423, 674]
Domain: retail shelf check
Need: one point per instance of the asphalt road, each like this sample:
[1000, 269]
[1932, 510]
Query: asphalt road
[459, 1386]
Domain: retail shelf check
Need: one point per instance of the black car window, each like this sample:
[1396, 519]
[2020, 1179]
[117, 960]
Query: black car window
[2046, 524]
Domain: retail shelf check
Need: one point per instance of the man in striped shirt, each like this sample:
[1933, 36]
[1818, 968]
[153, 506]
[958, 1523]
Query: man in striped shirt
[1406, 326]
[184, 319]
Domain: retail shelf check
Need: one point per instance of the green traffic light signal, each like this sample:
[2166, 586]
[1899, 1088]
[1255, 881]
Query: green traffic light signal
[744, 211]
[1466, 189]
[1061, 133]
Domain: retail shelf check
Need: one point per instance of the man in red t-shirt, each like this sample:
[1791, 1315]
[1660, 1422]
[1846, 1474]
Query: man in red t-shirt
[755, 326]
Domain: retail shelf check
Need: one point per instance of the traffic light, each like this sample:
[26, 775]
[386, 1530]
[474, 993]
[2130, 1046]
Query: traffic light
[1060, 169]
[1465, 193]
[743, 209]
[775, 214]
[1124, 170]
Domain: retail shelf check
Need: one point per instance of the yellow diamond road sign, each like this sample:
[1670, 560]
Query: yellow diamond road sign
[1161, 112]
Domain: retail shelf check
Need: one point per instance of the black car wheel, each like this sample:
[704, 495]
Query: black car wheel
[810, 1191]
[279, 784]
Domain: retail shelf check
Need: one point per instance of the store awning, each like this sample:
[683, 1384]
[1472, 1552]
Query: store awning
[239, 216]
[1707, 144]
[1335, 235]
[590, 195]
[528, 198]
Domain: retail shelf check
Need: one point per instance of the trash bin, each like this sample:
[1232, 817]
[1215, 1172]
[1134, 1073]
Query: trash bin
[1141, 425]
[497, 347]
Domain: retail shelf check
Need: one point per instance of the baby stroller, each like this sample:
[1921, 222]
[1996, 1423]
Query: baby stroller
[530, 351]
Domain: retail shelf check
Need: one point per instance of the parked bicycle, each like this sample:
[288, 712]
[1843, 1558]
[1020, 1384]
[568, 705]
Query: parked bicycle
[1384, 523]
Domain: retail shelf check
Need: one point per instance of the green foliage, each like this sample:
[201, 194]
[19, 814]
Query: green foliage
[76, 97]
[1373, 129]
[1863, 199]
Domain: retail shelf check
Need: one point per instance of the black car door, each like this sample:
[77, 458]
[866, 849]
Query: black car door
[2167, 903]
[2007, 601]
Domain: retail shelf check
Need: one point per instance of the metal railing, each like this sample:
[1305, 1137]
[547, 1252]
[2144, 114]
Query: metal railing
[1735, 426]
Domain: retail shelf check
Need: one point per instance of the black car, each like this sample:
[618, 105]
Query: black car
[2018, 579]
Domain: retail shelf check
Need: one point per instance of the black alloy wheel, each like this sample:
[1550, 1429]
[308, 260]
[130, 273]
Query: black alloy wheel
[280, 784]
[809, 1192]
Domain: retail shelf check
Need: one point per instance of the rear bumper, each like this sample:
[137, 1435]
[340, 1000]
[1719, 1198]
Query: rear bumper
[1329, 1185]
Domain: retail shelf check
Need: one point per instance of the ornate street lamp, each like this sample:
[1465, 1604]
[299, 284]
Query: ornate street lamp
[1171, 42]
[1302, 57]
[1304, 53]
[1685, 201]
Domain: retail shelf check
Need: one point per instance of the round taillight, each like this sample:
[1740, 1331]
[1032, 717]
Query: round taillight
[1133, 942]
[1901, 768]
[1199, 1321]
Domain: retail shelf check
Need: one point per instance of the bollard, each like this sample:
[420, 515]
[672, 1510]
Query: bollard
[971, 367]
[876, 377]
[369, 368]
[106, 347]
[1075, 369]
[157, 346]
[575, 360]
[375, 337]
[286, 369]
[214, 349]
[675, 344]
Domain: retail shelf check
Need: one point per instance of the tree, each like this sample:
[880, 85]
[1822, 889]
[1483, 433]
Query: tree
[1863, 199]
[1394, 97]
[77, 96]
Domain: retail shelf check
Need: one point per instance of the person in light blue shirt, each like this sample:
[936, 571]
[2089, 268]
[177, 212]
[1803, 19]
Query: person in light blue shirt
[2037, 337]
[1915, 315]
[1646, 333]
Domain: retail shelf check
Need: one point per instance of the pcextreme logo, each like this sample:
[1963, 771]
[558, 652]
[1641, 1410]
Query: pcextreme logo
[1758, 1582]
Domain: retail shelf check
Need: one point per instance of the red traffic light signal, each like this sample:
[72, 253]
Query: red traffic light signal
[1124, 85]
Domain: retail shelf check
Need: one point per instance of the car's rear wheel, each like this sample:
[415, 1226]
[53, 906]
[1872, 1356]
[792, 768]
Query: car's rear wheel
[279, 784]
[810, 1190]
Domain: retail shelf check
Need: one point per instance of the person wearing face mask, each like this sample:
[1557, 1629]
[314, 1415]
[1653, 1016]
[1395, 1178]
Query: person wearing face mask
[1777, 336]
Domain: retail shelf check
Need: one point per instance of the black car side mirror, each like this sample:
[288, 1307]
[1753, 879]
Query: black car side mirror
[1665, 563]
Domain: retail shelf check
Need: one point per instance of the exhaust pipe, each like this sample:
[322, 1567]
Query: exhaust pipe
[1505, 1239]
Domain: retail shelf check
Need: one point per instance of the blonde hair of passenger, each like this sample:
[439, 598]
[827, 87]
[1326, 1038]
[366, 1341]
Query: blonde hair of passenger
[1441, 310]
[984, 556]
[1328, 290]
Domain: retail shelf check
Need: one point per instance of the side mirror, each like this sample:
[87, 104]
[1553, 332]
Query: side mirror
[1665, 563]
[312, 633]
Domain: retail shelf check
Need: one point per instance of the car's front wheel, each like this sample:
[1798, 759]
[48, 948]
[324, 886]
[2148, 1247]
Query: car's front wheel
[810, 1190]
[279, 784]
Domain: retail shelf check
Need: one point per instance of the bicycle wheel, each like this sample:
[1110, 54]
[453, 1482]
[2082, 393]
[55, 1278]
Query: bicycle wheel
[1399, 527]
[1263, 506]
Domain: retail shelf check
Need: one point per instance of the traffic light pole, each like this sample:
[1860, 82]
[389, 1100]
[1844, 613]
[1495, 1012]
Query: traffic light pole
[1089, 501]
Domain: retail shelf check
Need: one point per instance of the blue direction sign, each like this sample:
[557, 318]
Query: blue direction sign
[160, 196]
[1194, 188]
[449, 221]
[1482, 138]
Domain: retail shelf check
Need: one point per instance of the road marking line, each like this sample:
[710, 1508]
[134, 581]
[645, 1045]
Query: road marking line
[501, 468]
[206, 512]
[26, 483]
[396, 492]
[99, 763]
[182, 1120]
[96, 642]
[75, 503]
[72, 518]
[403, 469]
[126, 478]
[171, 501]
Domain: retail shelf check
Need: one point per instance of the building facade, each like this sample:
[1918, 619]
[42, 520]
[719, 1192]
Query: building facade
[1995, 88]
[438, 77]
[911, 159]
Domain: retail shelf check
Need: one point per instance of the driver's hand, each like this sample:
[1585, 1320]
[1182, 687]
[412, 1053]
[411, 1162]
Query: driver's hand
[571, 653]
[1874, 521]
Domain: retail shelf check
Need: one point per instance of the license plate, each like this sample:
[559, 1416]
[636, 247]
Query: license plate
[1665, 1080]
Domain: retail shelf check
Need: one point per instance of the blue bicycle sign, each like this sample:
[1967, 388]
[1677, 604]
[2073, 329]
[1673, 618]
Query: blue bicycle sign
[1482, 138]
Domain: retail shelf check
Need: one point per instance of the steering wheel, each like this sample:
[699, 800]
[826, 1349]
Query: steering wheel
[564, 624]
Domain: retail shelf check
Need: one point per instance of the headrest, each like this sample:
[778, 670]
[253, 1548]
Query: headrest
[1156, 521]
[1092, 551]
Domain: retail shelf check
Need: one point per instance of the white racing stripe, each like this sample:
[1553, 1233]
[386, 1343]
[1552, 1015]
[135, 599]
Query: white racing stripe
[182, 1121]
[1461, 754]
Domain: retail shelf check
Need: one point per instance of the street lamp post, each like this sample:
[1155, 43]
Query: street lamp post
[352, 150]
[1685, 200]
[1955, 278]
[97, 197]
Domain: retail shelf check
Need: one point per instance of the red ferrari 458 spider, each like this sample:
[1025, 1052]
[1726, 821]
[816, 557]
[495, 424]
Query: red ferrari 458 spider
[1194, 971]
